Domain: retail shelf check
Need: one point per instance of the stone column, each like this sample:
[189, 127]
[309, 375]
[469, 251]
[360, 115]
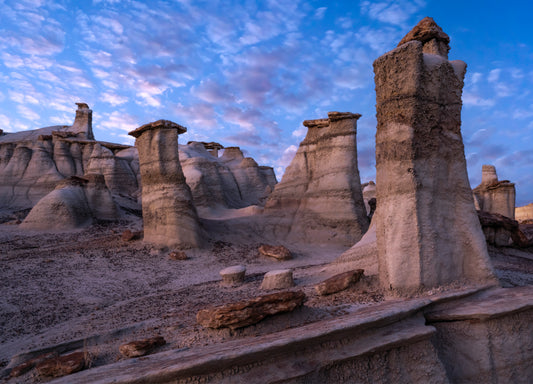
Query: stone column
[169, 215]
[495, 196]
[83, 123]
[428, 233]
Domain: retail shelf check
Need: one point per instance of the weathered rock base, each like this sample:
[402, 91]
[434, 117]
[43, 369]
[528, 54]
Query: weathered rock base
[451, 338]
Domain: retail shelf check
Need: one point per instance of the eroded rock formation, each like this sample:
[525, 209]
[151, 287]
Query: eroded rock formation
[525, 213]
[319, 198]
[495, 196]
[169, 215]
[428, 232]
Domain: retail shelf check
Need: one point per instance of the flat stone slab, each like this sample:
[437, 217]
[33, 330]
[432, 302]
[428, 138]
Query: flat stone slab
[487, 305]
[276, 251]
[141, 347]
[278, 279]
[339, 282]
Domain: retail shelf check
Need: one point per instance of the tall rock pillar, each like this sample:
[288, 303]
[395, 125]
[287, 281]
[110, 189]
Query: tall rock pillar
[169, 216]
[495, 196]
[83, 123]
[319, 199]
[428, 233]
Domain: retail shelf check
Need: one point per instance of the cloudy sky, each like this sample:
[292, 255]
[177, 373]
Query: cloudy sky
[248, 73]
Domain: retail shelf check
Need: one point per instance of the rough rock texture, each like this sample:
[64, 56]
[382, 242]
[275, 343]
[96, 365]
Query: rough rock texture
[75, 203]
[27, 366]
[278, 252]
[169, 215]
[339, 282]
[525, 213]
[233, 275]
[495, 196]
[502, 231]
[277, 279]
[428, 232]
[364, 254]
[141, 347]
[177, 255]
[250, 312]
[319, 198]
[369, 193]
[62, 365]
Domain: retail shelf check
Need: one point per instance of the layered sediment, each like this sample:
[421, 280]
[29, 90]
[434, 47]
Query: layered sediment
[495, 196]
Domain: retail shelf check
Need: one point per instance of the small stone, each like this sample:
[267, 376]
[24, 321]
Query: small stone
[177, 255]
[339, 282]
[62, 365]
[278, 279]
[128, 235]
[141, 347]
[249, 312]
[233, 275]
[25, 367]
[278, 252]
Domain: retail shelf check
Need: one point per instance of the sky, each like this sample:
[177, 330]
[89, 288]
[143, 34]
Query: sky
[248, 73]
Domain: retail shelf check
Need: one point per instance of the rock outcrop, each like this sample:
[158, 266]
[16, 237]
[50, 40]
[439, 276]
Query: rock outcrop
[495, 196]
[319, 199]
[524, 214]
[75, 203]
[169, 215]
[428, 232]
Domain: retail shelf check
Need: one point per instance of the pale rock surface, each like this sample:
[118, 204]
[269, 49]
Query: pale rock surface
[319, 198]
[233, 275]
[524, 213]
[278, 279]
[495, 196]
[428, 233]
[169, 215]
[369, 192]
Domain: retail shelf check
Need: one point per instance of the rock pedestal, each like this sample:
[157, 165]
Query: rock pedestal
[83, 122]
[495, 196]
[319, 198]
[428, 233]
[169, 215]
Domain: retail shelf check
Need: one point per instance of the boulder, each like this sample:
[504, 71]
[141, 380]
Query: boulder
[141, 347]
[319, 198]
[177, 255]
[278, 252]
[501, 231]
[248, 312]
[278, 279]
[62, 365]
[233, 275]
[339, 282]
[428, 233]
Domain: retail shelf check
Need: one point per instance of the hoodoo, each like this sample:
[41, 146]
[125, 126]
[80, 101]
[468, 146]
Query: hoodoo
[169, 215]
[319, 198]
[495, 196]
[428, 233]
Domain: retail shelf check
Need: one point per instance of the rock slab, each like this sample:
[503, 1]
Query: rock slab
[249, 312]
[339, 282]
[62, 365]
[276, 251]
[141, 347]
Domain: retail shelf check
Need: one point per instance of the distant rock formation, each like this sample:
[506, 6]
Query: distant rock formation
[75, 203]
[32, 163]
[369, 193]
[169, 215]
[495, 196]
[525, 213]
[319, 198]
[428, 233]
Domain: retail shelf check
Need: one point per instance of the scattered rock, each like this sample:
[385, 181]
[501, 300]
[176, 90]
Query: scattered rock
[177, 255]
[25, 367]
[278, 279]
[62, 365]
[128, 235]
[233, 275]
[141, 347]
[244, 313]
[339, 282]
[276, 251]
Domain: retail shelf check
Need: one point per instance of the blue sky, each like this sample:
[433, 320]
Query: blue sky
[248, 73]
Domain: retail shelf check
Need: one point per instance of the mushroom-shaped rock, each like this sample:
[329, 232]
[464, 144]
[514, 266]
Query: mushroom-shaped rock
[278, 279]
[233, 275]
[169, 215]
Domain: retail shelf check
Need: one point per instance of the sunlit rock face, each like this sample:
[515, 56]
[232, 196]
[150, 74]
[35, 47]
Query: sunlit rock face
[495, 196]
[524, 213]
[169, 215]
[428, 232]
[319, 198]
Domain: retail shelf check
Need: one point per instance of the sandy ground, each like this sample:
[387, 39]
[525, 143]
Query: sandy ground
[90, 285]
